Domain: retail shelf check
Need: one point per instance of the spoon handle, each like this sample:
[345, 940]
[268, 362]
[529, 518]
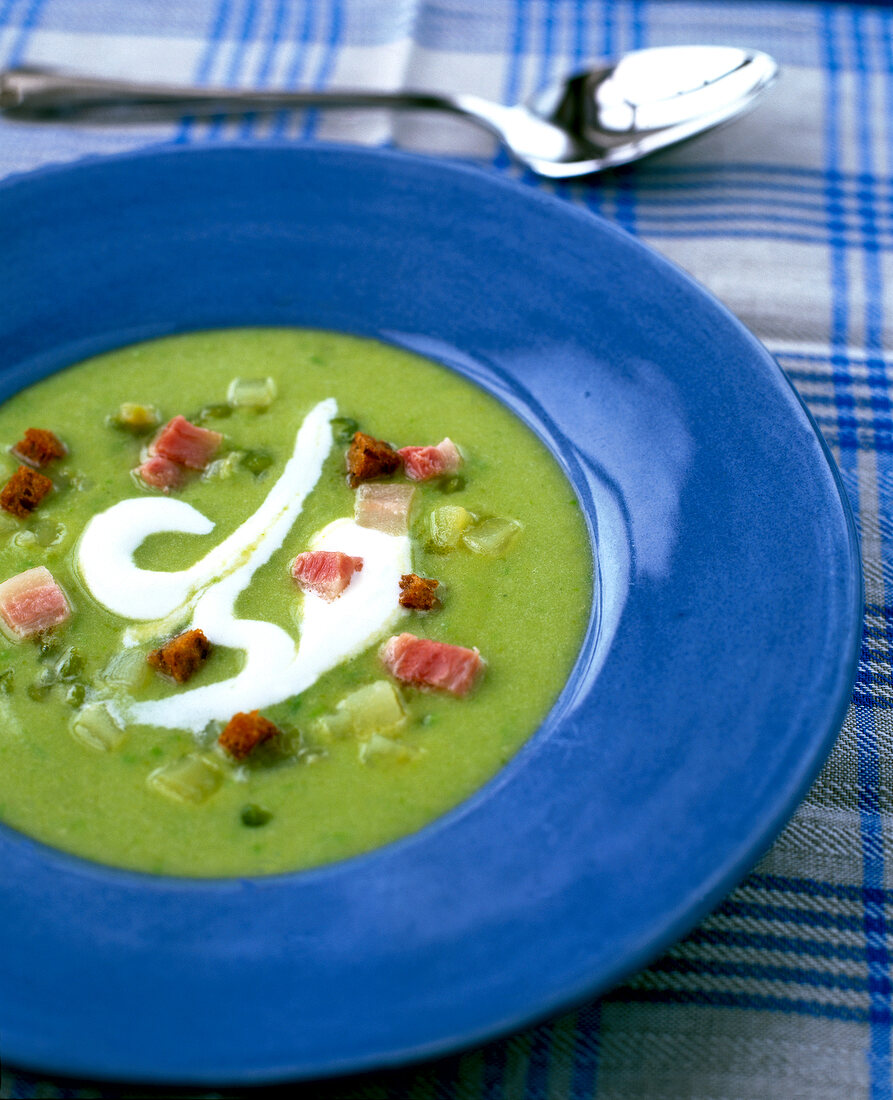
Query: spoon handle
[38, 93]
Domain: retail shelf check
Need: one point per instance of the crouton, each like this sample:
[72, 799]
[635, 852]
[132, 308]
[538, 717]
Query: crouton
[368, 458]
[39, 447]
[244, 732]
[417, 593]
[24, 491]
[182, 656]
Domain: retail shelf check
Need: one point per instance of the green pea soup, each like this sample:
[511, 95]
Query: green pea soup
[169, 801]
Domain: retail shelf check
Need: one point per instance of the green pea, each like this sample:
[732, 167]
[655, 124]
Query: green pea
[454, 484]
[256, 461]
[255, 816]
[344, 428]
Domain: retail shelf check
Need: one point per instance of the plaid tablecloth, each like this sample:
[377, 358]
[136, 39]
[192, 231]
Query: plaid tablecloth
[787, 216]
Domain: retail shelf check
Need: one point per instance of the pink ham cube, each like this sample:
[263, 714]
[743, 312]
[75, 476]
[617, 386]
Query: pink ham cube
[325, 572]
[427, 664]
[32, 601]
[186, 443]
[424, 463]
[161, 473]
[384, 507]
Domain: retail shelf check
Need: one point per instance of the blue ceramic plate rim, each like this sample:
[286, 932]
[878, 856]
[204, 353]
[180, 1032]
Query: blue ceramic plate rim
[447, 986]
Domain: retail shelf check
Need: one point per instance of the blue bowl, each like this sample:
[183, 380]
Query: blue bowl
[714, 676]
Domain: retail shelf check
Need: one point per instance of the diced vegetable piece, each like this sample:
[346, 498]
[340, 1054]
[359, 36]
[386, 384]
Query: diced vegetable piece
[425, 463]
[139, 419]
[32, 601]
[48, 533]
[244, 732]
[186, 443]
[446, 526]
[7, 681]
[251, 393]
[181, 657]
[39, 447]
[380, 747]
[325, 572]
[128, 668]
[371, 708]
[94, 727]
[368, 457]
[225, 467]
[428, 664]
[193, 778]
[384, 507]
[161, 473]
[212, 412]
[24, 491]
[492, 537]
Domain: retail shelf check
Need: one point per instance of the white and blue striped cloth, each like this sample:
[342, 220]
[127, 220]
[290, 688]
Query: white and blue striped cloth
[787, 216]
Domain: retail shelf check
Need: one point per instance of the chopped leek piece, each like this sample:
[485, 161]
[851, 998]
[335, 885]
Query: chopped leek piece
[367, 710]
[251, 393]
[128, 668]
[492, 537]
[94, 727]
[379, 746]
[192, 778]
[226, 466]
[446, 526]
[48, 533]
[7, 681]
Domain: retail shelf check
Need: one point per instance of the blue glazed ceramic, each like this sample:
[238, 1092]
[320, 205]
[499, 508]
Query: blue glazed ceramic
[713, 680]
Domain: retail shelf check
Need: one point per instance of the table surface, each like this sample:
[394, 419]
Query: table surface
[787, 217]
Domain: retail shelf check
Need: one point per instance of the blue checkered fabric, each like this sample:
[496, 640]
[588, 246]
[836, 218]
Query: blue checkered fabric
[787, 217]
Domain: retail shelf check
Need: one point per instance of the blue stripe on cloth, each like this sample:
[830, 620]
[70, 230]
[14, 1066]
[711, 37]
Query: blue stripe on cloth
[296, 67]
[877, 958]
[268, 56]
[327, 63]
[236, 60]
[206, 61]
[28, 24]
[756, 971]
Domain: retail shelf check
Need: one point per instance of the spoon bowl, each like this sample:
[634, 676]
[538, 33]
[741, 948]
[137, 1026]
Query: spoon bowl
[604, 116]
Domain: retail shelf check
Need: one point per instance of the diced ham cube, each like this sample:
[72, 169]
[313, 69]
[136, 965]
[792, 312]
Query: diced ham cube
[427, 664]
[32, 601]
[186, 443]
[161, 473]
[325, 572]
[384, 507]
[424, 463]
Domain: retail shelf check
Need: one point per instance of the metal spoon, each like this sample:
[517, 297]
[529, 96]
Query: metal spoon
[605, 116]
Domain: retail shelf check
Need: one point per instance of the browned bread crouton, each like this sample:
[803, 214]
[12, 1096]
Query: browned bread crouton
[39, 447]
[24, 491]
[182, 656]
[368, 458]
[417, 592]
[244, 732]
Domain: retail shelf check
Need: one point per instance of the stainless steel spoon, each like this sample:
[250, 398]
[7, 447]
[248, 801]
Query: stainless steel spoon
[600, 118]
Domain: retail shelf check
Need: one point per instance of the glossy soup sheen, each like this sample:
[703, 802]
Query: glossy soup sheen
[316, 800]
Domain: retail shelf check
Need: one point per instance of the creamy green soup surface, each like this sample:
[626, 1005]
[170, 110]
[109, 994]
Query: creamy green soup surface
[81, 767]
